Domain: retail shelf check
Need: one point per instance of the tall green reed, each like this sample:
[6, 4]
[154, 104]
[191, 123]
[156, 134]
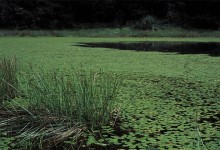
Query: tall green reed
[8, 78]
[57, 105]
[76, 96]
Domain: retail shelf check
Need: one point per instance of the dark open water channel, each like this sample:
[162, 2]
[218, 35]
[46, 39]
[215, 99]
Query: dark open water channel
[212, 49]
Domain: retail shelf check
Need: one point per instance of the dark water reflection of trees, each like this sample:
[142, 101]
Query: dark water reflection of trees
[212, 49]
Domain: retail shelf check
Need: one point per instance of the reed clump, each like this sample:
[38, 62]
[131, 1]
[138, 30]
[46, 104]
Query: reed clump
[57, 105]
[85, 97]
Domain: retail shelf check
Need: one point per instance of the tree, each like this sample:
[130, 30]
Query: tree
[176, 12]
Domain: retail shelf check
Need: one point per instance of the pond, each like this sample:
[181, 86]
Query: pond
[210, 48]
[167, 112]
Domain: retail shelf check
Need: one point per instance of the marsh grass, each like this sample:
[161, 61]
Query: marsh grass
[58, 105]
[80, 96]
[8, 79]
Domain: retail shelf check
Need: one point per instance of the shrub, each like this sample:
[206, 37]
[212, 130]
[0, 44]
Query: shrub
[147, 23]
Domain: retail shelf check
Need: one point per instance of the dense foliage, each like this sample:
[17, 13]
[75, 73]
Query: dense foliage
[57, 14]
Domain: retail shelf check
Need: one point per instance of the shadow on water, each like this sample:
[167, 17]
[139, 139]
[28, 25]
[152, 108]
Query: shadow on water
[212, 49]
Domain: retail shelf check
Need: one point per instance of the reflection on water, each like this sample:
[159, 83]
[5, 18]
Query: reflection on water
[212, 49]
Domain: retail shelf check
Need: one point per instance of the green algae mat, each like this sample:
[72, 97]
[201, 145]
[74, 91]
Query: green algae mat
[163, 113]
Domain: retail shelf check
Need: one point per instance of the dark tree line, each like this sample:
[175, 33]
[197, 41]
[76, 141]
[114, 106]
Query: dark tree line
[60, 14]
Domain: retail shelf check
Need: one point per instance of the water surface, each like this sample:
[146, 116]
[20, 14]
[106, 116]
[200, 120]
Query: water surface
[210, 48]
